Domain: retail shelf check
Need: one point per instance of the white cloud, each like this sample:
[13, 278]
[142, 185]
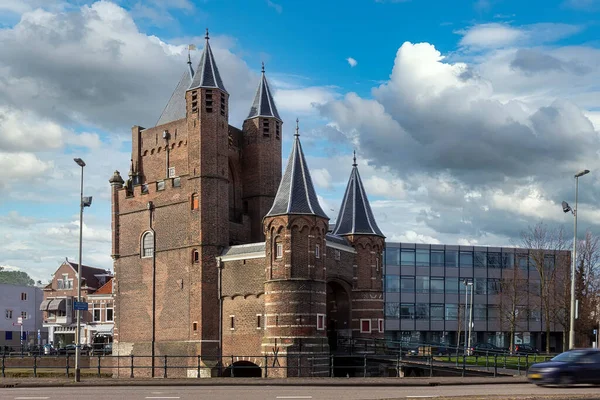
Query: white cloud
[321, 177]
[303, 100]
[21, 166]
[491, 35]
[497, 35]
[275, 6]
[352, 62]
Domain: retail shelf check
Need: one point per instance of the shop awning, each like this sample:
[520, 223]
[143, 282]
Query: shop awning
[105, 328]
[57, 305]
[44, 305]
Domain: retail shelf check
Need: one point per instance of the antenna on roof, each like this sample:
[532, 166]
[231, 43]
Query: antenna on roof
[263, 67]
[206, 37]
[297, 134]
[354, 164]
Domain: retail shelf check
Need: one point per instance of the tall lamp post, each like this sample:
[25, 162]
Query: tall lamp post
[83, 202]
[470, 284]
[567, 208]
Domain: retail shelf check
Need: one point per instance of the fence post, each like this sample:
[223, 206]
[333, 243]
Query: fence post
[365, 366]
[67, 365]
[464, 365]
[199, 361]
[495, 365]
[3, 365]
[526, 362]
[35, 366]
[397, 365]
[131, 374]
[504, 360]
[266, 366]
[99, 366]
[232, 373]
[519, 364]
[331, 366]
[299, 364]
[430, 365]
[165, 367]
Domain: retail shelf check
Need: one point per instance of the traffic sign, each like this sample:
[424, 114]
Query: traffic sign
[80, 306]
[595, 331]
[19, 320]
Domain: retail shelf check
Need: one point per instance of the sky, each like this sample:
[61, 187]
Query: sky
[469, 118]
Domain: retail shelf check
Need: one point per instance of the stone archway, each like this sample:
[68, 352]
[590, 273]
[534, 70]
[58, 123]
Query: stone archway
[339, 316]
[243, 369]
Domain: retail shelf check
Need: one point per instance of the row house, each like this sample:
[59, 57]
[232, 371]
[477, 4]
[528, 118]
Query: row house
[60, 294]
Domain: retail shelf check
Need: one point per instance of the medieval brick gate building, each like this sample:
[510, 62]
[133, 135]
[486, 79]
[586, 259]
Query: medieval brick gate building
[218, 255]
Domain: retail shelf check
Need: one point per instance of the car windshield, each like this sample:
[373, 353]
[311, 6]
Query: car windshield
[568, 356]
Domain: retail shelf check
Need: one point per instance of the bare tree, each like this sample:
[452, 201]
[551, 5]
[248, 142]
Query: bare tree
[513, 300]
[587, 287]
[543, 243]
[560, 294]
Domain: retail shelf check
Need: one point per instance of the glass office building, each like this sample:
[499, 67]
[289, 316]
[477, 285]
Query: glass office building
[426, 286]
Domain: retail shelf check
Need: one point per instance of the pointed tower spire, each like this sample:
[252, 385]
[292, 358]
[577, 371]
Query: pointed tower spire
[175, 108]
[263, 104]
[296, 193]
[207, 74]
[356, 217]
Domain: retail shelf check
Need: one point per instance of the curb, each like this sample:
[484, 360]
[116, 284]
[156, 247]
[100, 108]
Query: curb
[336, 382]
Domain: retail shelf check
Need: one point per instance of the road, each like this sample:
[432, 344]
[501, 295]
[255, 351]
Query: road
[288, 392]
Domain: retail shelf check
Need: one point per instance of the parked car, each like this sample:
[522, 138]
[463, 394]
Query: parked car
[68, 349]
[101, 349]
[524, 349]
[485, 349]
[568, 368]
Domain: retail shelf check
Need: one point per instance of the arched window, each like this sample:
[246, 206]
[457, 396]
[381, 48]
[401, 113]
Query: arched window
[195, 204]
[195, 256]
[278, 250]
[147, 244]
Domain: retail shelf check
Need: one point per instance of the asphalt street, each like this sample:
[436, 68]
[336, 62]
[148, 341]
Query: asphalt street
[288, 393]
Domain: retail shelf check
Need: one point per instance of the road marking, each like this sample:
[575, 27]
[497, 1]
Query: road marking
[421, 396]
[294, 397]
[160, 397]
[31, 398]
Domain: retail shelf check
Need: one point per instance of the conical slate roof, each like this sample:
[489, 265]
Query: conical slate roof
[263, 105]
[175, 108]
[207, 74]
[296, 193]
[356, 217]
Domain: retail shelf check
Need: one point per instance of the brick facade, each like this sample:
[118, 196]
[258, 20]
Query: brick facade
[199, 189]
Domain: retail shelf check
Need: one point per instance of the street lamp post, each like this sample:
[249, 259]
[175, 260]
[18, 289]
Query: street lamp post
[83, 202]
[470, 284]
[566, 208]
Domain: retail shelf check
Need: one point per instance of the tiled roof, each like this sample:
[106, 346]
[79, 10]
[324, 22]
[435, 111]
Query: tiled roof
[356, 217]
[207, 74]
[175, 108]
[264, 104]
[106, 288]
[336, 239]
[296, 193]
[89, 274]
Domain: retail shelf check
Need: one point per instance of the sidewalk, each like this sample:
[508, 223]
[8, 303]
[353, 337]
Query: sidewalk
[440, 381]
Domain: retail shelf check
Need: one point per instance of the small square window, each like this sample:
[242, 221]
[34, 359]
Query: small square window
[279, 249]
[365, 326]
[195, 326]
[320, 322]
[24, 314]
[144, 188]
[177, 182]
[171, 172]
[317, 251]
[160, 185]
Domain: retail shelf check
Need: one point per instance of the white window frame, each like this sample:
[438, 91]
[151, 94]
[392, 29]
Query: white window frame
[23, 296]
[279, 250]
[381, 325]
[106, 314]
[8, 313]
[147, 252]
[171, 172]
[259, 321]
[24, 314]
[317, 251]
[361, 326]
[232, 322]
[321, 320]
[94, 308]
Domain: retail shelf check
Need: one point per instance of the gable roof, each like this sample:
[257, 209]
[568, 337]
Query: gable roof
[106, 288]
[89, 274]
[207, 74]
[296, 193]
[355, 216]
[263, 104]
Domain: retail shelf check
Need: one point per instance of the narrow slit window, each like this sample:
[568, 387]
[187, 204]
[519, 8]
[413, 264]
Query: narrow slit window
[196, 256]
[317, 251]
[195, 326]
[279, 250]
[232, 322]
[258, 321]
[195, 203]
[320, 322]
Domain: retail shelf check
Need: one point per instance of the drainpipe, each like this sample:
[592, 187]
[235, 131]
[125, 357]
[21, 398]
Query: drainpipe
[220, 282]
[150, 214]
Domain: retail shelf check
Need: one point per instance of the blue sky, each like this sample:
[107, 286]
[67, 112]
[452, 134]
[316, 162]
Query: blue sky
[469, 117]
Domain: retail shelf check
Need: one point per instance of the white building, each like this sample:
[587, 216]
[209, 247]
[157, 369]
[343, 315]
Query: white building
[21, 301]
